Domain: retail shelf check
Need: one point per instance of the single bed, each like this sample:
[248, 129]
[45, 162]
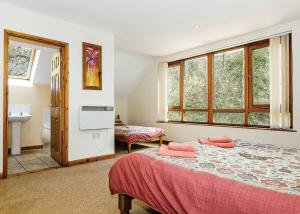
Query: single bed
[250, 178]
[138, 134]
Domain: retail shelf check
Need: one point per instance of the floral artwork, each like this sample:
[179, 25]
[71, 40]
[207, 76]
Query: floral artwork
[92, 71]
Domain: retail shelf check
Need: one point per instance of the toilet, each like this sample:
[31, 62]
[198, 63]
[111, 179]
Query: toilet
[46, 131]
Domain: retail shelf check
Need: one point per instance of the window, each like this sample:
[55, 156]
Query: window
[20, 62]
[173, 82]
[229, 87]
[195, 89]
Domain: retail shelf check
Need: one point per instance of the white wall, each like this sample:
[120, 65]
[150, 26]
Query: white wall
[43, 71]
[142, 103]
[81, 144]
[129, 69]
[121, 109]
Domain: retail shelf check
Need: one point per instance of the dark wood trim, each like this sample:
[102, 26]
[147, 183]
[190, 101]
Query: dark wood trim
[84, 46]
[255, 109]
[181, 88]
[229, 126]
[64, 91]
[28, 148]
[249, 55]
[246, 81]
[174, 63]
[90, 160]
[191, 110]
[291, 79]
[228, 110]
[5, 106]
[210, 62]
[65, 104]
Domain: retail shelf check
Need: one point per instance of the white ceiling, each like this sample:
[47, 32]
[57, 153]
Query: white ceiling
[161, 27]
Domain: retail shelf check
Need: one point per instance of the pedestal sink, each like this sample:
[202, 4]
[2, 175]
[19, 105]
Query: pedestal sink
[16, 120]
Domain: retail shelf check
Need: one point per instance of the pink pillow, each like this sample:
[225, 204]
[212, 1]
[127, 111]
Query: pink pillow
[222, 139]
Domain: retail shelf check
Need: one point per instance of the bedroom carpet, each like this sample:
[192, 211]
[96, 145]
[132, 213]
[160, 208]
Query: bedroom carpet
[77, 189]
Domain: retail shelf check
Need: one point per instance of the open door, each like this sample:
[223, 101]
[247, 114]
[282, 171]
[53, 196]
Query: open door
[56, 140]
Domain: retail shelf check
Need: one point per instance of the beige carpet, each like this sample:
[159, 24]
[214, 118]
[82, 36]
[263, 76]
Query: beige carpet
[77, 189]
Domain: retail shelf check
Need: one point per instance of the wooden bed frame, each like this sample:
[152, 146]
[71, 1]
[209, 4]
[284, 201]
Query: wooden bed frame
[123, 139]
[125, 203]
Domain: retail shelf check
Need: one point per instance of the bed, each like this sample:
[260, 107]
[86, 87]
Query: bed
[250, 178]
[138, 134]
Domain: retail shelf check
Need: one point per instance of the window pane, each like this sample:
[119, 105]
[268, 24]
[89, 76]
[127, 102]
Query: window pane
[194, 116]
[174, 116]
[173, 83]
[259, 119]
[229, 80]
[195, 83]
[229, 118]
[261, 76]
[20, 62]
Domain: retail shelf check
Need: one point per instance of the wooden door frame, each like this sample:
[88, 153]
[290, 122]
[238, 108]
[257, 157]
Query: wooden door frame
[64, 93]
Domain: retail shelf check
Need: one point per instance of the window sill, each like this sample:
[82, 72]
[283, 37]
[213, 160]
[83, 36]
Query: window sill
[229, 126]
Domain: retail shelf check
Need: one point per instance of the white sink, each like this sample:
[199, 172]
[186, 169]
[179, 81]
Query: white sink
[18, 117]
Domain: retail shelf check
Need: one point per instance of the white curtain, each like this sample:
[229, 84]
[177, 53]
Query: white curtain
[162, 91]
[279, 82]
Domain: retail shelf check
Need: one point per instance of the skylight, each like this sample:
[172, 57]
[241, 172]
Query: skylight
[20, 62]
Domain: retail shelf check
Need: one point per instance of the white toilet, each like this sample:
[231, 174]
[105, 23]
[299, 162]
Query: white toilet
[46, 132]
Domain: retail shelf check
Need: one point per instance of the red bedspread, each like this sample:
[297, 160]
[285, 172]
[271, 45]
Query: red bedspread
[172, 189]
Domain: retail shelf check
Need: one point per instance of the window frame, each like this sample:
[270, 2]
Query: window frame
[249, 106]
[252, 106]
[177, 108]
[184, 110]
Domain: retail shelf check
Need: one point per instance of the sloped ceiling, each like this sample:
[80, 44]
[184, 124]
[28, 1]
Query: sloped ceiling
[129, 69]
[162, 27]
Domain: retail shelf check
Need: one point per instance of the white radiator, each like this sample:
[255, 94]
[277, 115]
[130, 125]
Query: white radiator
[96, 117]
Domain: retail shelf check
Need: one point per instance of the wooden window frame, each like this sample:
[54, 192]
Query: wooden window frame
[253, 106]
[249, 106]
[177, 108]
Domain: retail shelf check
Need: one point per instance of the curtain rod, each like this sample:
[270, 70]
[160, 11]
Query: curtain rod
[232, 45]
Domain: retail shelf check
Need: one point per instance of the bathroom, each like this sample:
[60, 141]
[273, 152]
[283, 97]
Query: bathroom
[29, 97]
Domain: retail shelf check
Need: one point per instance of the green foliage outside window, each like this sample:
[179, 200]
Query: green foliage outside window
[195, 83]
[173, 83]
[228, 79]
[261, 76]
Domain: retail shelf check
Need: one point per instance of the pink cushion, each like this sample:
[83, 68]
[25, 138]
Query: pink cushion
[222, 139]
[164, 150]
[181, 147]
[222, 145]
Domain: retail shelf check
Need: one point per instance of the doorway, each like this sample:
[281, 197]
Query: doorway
[59, 96]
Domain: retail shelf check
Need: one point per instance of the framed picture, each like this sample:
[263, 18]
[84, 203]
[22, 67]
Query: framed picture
[92, 66]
